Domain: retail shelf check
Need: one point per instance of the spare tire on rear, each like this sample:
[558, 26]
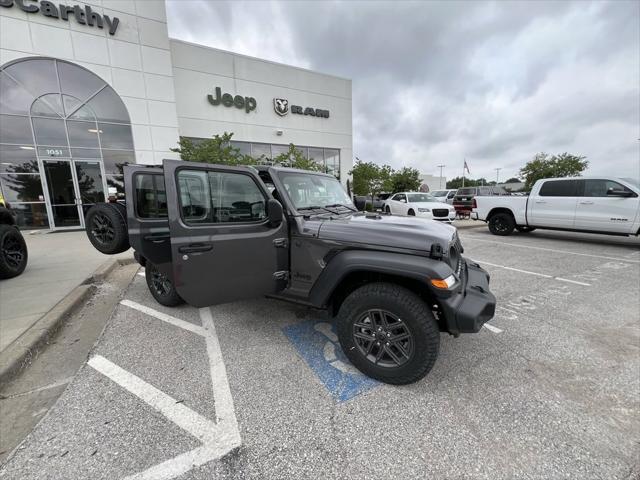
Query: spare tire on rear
[106, 227]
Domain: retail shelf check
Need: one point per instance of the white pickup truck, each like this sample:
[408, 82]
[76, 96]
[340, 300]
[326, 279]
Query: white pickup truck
[604, 205]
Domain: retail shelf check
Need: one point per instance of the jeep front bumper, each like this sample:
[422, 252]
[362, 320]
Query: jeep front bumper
[472, 306]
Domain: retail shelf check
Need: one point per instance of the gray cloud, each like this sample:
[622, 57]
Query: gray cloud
[435, 82]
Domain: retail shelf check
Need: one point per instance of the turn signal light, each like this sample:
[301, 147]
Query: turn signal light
[444, 284]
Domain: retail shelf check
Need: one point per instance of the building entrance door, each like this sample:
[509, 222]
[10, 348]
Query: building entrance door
[73, 186]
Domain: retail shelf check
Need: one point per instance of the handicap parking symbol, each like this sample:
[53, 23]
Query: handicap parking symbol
[317, 342]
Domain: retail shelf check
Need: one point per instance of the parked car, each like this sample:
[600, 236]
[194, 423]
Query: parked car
[416, 204]
[445, 196]
[606, 205]
[13, 248]
[463, 199]
[209, 234]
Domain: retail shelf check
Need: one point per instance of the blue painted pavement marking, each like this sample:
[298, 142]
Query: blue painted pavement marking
[317, 343]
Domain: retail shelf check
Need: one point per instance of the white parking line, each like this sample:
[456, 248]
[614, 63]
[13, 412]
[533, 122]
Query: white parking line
[165, 318]
[219, 437]
[544, 275]
[491, 328]
[474, 238]
[190, 421]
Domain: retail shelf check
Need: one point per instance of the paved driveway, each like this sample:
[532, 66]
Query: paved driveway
[258, 390]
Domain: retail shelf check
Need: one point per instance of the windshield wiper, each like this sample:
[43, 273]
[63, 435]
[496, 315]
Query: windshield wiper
[342, 205]
[318, 207]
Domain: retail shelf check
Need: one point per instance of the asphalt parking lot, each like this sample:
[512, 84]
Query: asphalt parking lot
[260, 389]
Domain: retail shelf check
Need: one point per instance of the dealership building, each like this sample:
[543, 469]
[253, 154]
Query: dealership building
[87, 87]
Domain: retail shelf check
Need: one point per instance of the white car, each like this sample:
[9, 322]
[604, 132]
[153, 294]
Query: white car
[419, 205]
[444, 195]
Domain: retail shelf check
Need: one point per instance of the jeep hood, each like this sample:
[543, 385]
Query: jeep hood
[391, 231]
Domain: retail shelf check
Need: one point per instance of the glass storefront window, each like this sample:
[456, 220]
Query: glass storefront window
[37, 76]
[78, 82]
[18, 159]
[278, 150]
[261, 151]
[21, 187]
[114, 160]
[244, 147]
[83, 134]
[85, 153]
[115, 136]
[49, 131]
[31, 215]
[108, 107]
[48, 106]
[317, 155]
[14, 98]
[15, 129]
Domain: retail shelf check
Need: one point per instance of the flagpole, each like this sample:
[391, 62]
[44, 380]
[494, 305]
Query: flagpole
[463, 165]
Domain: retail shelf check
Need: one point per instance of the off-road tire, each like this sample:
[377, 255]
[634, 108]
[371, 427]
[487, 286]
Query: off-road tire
[415, 314]
[411, 213]
[502, 224]
[165, 295]
[106, 227]
[525, 229]
[13, 252]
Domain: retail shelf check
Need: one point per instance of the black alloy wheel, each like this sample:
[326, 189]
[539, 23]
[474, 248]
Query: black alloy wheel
[13, 252]
[161, 286]
[383, 339]
[102, 229]
[501, 224]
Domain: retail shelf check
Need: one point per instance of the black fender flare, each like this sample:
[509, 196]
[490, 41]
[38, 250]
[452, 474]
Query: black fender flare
[350, 261]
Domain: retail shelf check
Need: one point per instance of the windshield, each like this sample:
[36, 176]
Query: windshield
[420, 197]
[439, 193]
[309, 190]
[466, 191]
[632, 181]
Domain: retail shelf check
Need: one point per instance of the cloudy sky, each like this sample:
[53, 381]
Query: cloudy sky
[435, 82]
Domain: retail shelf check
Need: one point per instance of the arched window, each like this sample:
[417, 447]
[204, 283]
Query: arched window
[64, 136]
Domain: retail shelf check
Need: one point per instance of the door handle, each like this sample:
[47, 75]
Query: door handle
[586, 203]
[157, 238]
[540, 201]
[196, 247]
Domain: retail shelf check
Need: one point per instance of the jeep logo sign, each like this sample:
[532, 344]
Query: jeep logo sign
[84, 16]
[248, 103]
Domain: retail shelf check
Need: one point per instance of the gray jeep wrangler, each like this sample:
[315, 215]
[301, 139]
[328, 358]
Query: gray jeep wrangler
[210, 234]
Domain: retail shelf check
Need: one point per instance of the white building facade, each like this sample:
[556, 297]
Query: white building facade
[88, 87]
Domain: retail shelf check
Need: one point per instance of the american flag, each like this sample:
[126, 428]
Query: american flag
[466, 167]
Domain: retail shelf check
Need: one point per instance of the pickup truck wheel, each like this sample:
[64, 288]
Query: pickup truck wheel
[501, 224]
[13, 252]
[388, 333]
[525, 229]
[106, 227]
[161, 286]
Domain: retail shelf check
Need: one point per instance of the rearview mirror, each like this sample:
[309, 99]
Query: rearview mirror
[618, 192]
[274, 210]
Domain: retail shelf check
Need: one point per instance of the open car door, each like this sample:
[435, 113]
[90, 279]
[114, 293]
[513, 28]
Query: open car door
[228, 235]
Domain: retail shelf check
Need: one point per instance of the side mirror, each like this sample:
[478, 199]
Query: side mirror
[618, 192]
[274, 210]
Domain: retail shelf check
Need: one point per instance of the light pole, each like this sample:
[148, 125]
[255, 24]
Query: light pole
[441, 167]
[497, 173]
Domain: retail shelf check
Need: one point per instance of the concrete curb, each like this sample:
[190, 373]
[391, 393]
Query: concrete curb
[476, 224]
[22, 350]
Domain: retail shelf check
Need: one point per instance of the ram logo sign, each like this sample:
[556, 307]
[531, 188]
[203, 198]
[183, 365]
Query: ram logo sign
[281, 106]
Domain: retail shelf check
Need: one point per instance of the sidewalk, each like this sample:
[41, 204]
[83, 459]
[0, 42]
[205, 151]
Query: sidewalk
[58, 262]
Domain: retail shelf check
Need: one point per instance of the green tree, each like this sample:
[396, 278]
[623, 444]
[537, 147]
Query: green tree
[545, 166]
[294, 158]
[405, 180]
[513, 180]
[456, 182]
[369, 178]
[216, 150]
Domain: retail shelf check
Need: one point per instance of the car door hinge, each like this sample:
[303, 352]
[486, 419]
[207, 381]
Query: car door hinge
[281, 275]
[280, 243]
